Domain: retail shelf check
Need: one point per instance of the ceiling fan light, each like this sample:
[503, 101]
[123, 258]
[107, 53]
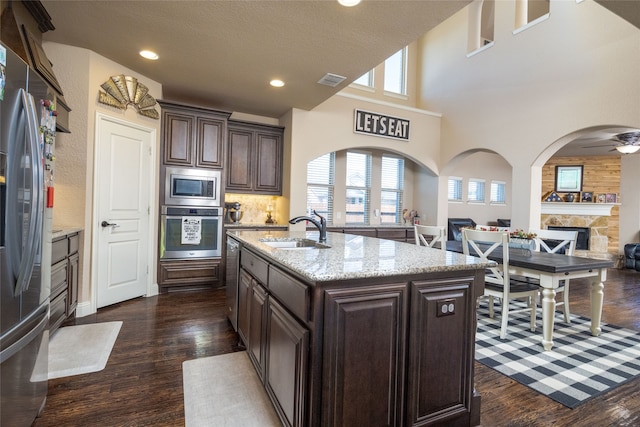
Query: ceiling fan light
[628, 149]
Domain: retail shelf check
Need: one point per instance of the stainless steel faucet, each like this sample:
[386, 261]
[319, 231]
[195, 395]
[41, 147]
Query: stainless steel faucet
[320, 225]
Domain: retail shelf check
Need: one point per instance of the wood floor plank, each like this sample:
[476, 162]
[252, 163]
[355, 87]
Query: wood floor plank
[142, 382]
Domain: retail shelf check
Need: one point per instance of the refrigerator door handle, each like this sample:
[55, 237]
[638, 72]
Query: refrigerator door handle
[36, 202]
[19, 344]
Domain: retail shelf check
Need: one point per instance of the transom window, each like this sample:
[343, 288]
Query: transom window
[476, 190]
[454, 189]
[498, 192]
[395, 71]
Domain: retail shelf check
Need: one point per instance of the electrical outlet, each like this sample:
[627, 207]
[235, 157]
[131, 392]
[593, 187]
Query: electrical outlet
[446, 307]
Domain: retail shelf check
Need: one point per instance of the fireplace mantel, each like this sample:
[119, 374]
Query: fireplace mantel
[586, 209]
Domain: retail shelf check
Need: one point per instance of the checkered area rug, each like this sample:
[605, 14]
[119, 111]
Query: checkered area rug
[579, 367]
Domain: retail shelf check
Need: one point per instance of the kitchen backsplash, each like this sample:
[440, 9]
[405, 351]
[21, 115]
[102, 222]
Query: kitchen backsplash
[254, 208]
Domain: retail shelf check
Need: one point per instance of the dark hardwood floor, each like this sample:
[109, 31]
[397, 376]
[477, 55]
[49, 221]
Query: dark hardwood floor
[142, 382]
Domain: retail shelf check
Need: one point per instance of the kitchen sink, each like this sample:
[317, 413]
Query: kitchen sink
[293, 244]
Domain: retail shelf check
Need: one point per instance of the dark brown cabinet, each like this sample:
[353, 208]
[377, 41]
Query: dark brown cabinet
[376, 351]
[193, 136]
[189, 273]
[254, 158]
[277, 342]
[64, 279]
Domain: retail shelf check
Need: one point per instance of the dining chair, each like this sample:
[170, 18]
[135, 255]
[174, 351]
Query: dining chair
[438, 233]
[558, 241]
[498, 283]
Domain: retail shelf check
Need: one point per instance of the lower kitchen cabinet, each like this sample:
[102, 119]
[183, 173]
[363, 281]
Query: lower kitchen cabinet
[287, 354]
[189, 273]
[374, 352]
[64, 279]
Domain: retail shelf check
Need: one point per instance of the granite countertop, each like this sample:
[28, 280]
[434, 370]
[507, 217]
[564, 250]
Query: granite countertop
[61, 231]
[353, 257]
[252, 224]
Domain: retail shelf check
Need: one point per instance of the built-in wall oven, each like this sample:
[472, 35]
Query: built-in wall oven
[188, 232]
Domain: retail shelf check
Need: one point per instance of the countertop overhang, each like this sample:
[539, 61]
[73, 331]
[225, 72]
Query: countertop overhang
[355, 257]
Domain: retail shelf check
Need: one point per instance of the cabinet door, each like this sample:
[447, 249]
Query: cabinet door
[238, 166]
[364, 356]
[244, 286]
[441, 352]
[257, 324]
[72, 288]
[286, 364]
[178, 139]
[209, 143]
[268, 155]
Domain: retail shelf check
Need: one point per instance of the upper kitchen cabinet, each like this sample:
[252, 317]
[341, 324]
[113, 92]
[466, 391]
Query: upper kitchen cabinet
[254, 158]
[193, 136]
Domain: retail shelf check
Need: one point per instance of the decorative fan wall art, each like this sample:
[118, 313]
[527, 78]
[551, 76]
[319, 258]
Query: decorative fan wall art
[122, 91]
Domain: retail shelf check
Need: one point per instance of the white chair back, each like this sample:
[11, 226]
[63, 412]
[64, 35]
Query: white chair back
[491, 241]
[438, 233]
[554, 240]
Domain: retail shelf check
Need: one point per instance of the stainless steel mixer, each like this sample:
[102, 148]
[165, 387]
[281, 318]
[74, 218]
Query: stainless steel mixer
[233, 214]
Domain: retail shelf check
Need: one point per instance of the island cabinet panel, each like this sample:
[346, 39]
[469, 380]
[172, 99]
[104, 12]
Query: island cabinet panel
[441, 352]
[364, 356]
[257, 325]
[287, 359]
[244, 287]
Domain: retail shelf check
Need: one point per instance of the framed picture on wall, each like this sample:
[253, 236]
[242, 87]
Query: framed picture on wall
[601, 198]
[612, 198]
[569, 178]
[587, 197]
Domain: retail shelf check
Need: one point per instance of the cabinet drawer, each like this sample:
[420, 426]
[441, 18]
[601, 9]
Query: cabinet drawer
[74, 243]
[58, 277]
[291, 293]
[59, 250]
[254, 265]
[57, 311]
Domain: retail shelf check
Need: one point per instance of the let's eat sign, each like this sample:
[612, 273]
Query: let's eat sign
[382, 125]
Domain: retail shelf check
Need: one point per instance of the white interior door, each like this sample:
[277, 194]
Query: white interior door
[123, 210]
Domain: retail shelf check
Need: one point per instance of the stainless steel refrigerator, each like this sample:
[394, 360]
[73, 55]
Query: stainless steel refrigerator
[24, 266]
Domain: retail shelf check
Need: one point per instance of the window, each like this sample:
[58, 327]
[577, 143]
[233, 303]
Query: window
[358, 189]
[320, 182]
[454, 190]
[392, 185]
[395, 72]
[366, 79]
[498, 192]
[476, 190]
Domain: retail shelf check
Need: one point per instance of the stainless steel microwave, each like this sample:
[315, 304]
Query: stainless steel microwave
[192, 187]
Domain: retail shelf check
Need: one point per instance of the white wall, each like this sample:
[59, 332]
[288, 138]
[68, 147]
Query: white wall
[520, 97]
[329, 127]
[80, 73]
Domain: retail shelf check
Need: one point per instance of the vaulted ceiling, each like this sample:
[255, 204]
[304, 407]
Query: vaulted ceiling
[224, 53]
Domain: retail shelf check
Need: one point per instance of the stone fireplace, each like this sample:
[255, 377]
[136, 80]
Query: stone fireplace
[592, 217]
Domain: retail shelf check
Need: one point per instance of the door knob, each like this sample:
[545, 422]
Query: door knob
[108, 224]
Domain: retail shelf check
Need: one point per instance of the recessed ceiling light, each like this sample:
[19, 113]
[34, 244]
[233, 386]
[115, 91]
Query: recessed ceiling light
[349, 3]
[149, 54]
[276, 83]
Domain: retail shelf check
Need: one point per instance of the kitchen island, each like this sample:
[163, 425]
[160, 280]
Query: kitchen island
[359, 330]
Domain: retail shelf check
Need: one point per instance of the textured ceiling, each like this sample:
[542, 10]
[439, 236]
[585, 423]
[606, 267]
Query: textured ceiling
[223, 53]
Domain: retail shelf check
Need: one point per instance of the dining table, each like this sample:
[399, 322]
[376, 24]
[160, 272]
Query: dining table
[550, 269]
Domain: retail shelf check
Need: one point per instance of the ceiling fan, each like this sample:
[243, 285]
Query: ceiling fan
[625, 142]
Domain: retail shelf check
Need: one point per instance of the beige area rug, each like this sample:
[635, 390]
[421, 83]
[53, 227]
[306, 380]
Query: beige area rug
[81, 349]
[225, 391]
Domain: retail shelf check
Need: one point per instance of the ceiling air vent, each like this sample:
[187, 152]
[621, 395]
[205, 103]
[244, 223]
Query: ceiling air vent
[332, 80]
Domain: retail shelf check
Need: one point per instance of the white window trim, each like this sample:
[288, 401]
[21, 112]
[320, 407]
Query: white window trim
[497, 203]
[461, 199]
[477, 202]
